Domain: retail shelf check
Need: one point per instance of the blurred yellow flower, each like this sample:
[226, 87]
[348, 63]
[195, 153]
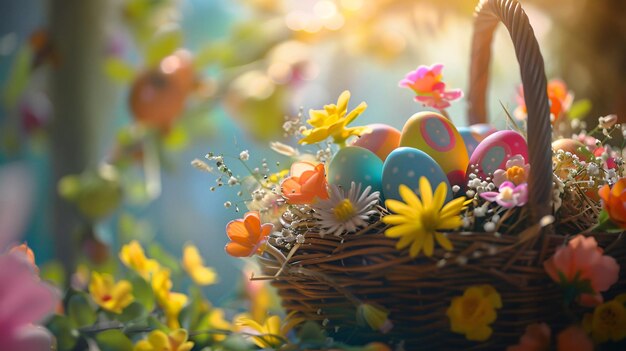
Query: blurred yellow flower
[332, 122]
[171, 302]
[133, 257]
[159, 341]
[271, 333]
[608, 321]
[194, 266]
[417, 222]
[217, 321]
[375, 317]
[472, 313]
[111, 296]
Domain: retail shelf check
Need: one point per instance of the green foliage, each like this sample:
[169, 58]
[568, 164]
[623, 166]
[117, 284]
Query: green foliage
[95, 196]
[18, 76]
[118, 70]
[605, 224]
[165, 259]
[113, 340]
[53, 272]
[164, 43]
[580, 109]
[143, 293]
[64, 331]
[80, 311]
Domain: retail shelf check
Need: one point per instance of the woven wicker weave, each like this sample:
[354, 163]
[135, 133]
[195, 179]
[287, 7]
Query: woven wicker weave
[328, 276]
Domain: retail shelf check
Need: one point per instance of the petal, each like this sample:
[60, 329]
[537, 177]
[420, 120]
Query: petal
[444, 241]
[410, 198]
[297, 168]
[342, 101]
[238, 250]
[417, 245]
[426, 192]
[395, 219]
[236, 230]
[429, 244]
[252, 221]
[400, 208]
[440, 196]
[403, 229]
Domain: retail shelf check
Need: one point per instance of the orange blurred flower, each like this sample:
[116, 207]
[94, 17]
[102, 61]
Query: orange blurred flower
[613, 200]
[560, 100]
[248, 236]
[582, 268]
[307, 183]
[24, 251]
[537, 338]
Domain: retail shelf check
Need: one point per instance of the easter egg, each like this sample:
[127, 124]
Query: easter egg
[406, 165]
[439, 138]
[570, 145]
[355, 164]
[495, 150]
[381, 140]
[474, 134]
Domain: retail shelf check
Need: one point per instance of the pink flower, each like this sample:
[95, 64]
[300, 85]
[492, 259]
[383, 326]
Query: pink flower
[516, 171]
[24, 300]
[509, 195]
[581, 265]
[431, 91]
[537, 338]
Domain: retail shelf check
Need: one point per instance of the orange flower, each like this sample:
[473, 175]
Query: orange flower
[24, 251]
[306, 183]
[248, 236]
[582, 268]
[613, 200]
[537, 338]
[560, 100]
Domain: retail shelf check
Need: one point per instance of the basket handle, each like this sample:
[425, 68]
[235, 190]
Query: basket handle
[487, 16]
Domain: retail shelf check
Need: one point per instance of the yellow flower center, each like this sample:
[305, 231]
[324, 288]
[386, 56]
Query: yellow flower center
[469, 307]
[429, 220]
[608, 317]
[507, 193]
[344, 210]
[516, 174]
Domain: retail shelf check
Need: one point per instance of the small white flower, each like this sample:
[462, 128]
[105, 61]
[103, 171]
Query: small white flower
[345, 213]
[244, 155]
[227, 204]
[490, 227]
[480, 211]
[607, 122]
[232, 181]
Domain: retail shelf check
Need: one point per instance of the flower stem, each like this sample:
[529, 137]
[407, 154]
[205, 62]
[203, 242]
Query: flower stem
[445, 114]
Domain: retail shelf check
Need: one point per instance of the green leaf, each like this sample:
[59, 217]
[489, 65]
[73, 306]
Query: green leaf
[132, 312]
[113, 340]
[18, 77]
[69, 187]
[163, 44]
[177, 139]
[118, 70]
[53, 272]
[236, 342]
[580, 109]
[80, 311]
[64, 331]
[154, 323]
[311, 332]
[605, 224]
[143, 293]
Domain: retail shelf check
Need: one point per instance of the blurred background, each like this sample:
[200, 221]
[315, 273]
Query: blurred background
[104, 104]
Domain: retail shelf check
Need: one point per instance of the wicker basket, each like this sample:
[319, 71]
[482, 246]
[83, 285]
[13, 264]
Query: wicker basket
[328, 275]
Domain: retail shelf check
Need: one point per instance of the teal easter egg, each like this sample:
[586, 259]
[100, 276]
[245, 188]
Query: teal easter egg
[406, 165]
[355, 164]
[438, 137]
[474, 134]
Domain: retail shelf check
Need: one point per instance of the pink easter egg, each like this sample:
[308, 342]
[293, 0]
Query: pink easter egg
[382, 140]
[494, 151]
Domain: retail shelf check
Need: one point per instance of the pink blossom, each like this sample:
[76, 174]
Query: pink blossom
[516, 171]
[582, 260]
[537, 338]
[430, 89]
[509, 195]
[24, 300]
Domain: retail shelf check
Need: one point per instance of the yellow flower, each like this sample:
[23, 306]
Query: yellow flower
[111, 296]
[159, 341]
[133, 257]
[217, 321]
[608, 321]
[194, 266]
[171, 302]
[472, 313]
[375, 317]
[417, 222]
[332, 122]
[271, 333]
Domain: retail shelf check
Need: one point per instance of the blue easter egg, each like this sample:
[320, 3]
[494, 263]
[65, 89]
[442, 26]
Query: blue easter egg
[406, 165]
[355, 164]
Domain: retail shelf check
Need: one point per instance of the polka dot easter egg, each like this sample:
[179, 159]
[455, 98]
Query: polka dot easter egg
[439, 138]
[493, 152]
[355, 164]
[382, 140]
[405, 165]
[474, 134]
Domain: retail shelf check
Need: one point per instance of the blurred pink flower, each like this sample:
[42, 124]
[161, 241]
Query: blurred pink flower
[508, 195]
[24, 300]
[582, 262]
[516, 171]
[430, 89]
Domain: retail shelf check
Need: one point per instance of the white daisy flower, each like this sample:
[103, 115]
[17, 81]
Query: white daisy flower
[341, 214]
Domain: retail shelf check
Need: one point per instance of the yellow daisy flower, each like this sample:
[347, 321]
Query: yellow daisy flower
[108, 294]
[417, 222]
[272, 333]
[194, 266]
[608, 321]
[332, 122]
[157, 340]
[133, 257]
